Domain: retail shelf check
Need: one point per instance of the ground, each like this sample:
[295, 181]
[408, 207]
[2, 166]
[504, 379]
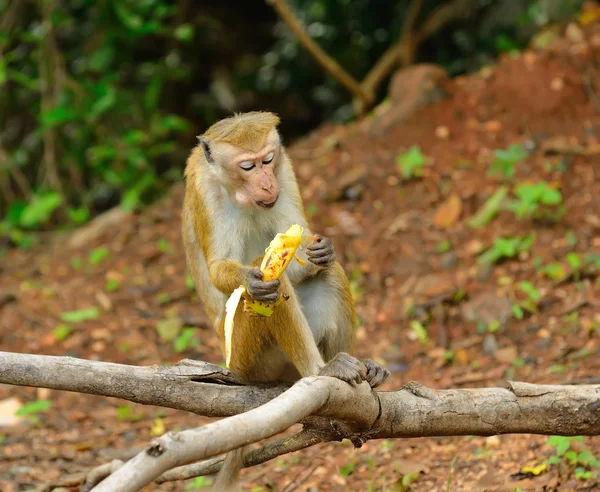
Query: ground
[412, 256]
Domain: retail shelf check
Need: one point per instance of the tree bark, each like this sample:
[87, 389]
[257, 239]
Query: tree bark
[354, 412]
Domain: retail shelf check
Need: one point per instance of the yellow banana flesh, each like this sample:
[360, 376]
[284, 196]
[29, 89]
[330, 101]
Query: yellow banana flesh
[278, 256]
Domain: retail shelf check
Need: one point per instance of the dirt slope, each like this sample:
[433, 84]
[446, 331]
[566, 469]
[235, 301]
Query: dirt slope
[412, 257]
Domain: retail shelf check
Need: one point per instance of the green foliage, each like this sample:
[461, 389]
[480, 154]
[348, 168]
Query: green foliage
[199, 483]
[112, 285]
[97, 255]
[583, 461]
[186, 341]
[347, 469]
[33, 408]
[80, 315]
[126, 413]
[490, 209]
[420, 332]
[62, 332]
[505, 161]
[411, 162]
[506, 248]
[531, 197]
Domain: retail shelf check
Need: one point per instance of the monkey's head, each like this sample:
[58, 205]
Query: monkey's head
[243, 153]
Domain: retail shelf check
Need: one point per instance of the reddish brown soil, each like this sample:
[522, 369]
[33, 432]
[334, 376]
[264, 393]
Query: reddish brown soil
[386, 240]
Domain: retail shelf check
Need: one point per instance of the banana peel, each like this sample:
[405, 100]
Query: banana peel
[277, 258]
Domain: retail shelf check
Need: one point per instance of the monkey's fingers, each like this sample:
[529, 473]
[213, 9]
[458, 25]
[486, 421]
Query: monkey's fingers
[376, 373]
[260, 287]
[271, 298]
[320, 243]
[345, 367]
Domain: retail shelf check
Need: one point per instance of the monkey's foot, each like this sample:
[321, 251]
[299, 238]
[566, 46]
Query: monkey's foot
[345, 367]
[376, 373]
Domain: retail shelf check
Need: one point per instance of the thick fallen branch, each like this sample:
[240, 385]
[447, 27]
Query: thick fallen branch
[356, 413]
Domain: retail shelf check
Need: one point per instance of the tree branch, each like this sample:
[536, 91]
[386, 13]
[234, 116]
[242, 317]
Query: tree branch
[357, 413]
[328, 63]
[301, 440]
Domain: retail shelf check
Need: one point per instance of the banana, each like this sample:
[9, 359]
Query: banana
[278, 256]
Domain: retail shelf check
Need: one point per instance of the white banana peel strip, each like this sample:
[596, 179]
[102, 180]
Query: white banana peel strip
[230, 309]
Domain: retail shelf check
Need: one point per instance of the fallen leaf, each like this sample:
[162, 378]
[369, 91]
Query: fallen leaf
[507, 354]
[8, 412]
[168, 329]
[448, 212]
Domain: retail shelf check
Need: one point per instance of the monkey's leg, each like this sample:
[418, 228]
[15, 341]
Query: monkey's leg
[329, 308]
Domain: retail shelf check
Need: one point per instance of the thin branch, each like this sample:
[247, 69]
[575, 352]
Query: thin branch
[290, 444]
[308, 396]
[328, 63]
[401, 52]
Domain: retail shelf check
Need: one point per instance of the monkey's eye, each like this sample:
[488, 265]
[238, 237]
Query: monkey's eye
[268, 158]
[247, 165]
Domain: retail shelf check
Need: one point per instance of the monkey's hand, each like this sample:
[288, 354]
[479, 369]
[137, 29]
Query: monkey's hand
[321, 252]
[376, 374]
[260, 290]
[345, 367]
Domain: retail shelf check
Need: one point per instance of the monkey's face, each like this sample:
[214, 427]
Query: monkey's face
[255, 181]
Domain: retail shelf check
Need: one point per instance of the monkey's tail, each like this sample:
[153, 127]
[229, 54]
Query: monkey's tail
[228, 478]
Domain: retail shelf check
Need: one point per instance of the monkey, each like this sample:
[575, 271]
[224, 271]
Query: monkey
[240, 191]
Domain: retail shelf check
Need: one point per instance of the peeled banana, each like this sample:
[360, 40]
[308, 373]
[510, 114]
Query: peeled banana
[278, 256]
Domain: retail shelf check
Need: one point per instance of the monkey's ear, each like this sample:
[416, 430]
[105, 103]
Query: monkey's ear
[206, 148]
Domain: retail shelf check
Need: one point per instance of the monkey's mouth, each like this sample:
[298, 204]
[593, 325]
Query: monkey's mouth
[267, 205]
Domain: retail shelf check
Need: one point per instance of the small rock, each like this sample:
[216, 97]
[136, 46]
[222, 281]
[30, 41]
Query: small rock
[557, 84]
[490, 345]
[448, 260]
[442, 132]
[507, 354]
[487, 308]
[574, 33]
[483, 272]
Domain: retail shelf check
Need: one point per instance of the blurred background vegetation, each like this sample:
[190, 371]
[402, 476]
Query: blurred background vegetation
[100, 101]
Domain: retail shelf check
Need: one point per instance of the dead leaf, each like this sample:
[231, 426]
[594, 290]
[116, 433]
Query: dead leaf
[448, 212]
[8, 409]
[507, 354]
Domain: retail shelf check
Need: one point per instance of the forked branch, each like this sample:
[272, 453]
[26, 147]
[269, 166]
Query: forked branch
[356, 413]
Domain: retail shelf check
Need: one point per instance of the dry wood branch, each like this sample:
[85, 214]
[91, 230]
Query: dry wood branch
[402, 53]
[306, 397]
[329, 64]
[357, 412]
[290, 444]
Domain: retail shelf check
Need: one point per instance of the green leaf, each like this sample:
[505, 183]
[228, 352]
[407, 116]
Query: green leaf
[40, 209]
[529, 289]
[489, 210]
[33, 408]
[185, 32]
[79, 215]
[561, 443]
[126, 413]
[186, 340]
[56, 117]
[574, 260]
[189, 282]
[554, 271]
[517, 311]
[199, 482]
[163, 246]
[347, 469]
[411, 162]
[98, 254]
[62, 332]
[80, 315]
[112, 285]
[420, 332]
[100, 59]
